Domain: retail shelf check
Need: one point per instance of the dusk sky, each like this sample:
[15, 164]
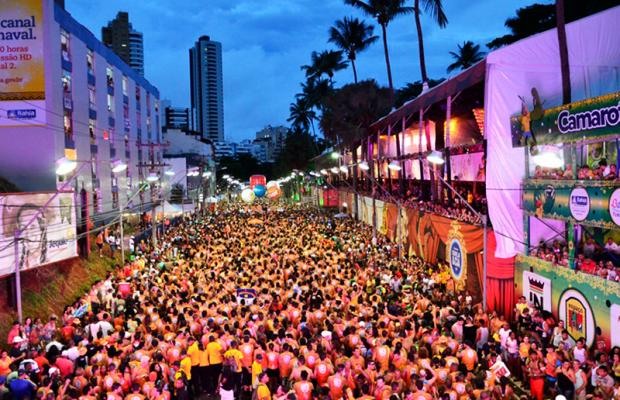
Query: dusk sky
[265, 43]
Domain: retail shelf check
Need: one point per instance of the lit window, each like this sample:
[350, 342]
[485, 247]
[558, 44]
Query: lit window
[110, 103]
[110, 76]
[90, 61]
[65, 47]
[92, 97]
[91, 131]
[66, 81]
[125, 85]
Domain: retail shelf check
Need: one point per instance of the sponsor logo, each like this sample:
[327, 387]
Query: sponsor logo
[614, 206]
[575, 310]
[579, 203]
[583, 121]
[456, 258]
[537, 290]
[21, 114]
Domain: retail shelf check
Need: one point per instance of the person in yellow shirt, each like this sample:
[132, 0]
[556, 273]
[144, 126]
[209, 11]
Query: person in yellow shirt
[186, 366]
[257, 370]
[194, 354]
[216, 359]
[262, 391]
[232, 360]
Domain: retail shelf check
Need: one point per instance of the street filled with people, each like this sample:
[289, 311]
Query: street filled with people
[259, 302]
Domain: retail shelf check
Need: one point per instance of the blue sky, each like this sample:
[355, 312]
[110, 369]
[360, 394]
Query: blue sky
[266, 41]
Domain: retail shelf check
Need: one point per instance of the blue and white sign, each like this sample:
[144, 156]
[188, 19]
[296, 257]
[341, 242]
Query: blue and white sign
[579, 203]
[456, 258]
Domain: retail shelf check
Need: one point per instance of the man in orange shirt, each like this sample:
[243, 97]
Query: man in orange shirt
[468, 356]
[286, 362]
[336, 384]
[303, 389]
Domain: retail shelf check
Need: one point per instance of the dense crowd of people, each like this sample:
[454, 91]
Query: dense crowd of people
[591, 258]
[292, 304]
[602, 171]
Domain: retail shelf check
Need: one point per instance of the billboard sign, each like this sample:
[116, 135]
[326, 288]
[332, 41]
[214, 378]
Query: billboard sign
[22, 68]
[51, 237]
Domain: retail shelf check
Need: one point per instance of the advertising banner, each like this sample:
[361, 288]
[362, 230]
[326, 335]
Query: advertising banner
[591, 203]
[582, 301]
[587, 119]
[537, 290]
[51, 236]
[468, 167]
[22, 68]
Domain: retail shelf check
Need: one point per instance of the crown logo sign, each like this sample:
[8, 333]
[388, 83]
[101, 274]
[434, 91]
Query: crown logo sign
[536, 284]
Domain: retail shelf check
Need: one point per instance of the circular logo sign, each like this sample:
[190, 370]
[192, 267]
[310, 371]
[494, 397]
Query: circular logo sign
[579, 203]
[456, 258]
[614, 206]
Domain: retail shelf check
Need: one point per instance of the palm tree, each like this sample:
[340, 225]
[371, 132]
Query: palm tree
[467, 55]
[315, 91]
[435, 9]
[385, 11]
[563, 47]
[301, 115]
[326, 62]
[352, 36]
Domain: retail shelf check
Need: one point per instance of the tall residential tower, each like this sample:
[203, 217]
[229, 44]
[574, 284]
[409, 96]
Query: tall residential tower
[125, 41]
[206, 88]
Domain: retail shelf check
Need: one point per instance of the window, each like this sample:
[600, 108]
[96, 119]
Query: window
[93, 166]
[65, 47]
[110, 103]
[66, 81]
[127, 122]
[90, 61]
[91, 131]
[92, 97]
[125, 85]
[68, 125]
[148, 104]
[110, 76]
[138, 94]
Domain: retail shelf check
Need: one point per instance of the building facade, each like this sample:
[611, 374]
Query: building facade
[271, 139]
[176, 118]
[206, 89]
[125, 41]
[94, 109]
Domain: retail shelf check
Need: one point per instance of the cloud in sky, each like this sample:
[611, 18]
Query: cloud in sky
[264, 43]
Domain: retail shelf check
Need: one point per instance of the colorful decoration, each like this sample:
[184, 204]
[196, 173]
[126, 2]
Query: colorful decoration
[260, 190]
[248, 196]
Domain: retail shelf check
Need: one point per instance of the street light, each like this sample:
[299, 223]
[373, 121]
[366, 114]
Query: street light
[335, 170]
[435, 157]
[169, 172]
[394, 166]
[364, 166]
[153, 177]
[335, 155]
[64, 166]
[324, 172]
[344, 169]
[118, 166]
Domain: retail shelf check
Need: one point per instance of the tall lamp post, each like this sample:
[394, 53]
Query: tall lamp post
[436, 158]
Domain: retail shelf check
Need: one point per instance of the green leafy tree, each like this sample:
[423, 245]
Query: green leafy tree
[352, 36]
[384, 11]
[435, 9]
[467, 55]
[350, 110]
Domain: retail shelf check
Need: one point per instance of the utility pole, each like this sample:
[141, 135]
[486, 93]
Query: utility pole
[154, 170]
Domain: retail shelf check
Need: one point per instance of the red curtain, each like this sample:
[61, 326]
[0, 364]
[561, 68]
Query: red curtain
[500, 280]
